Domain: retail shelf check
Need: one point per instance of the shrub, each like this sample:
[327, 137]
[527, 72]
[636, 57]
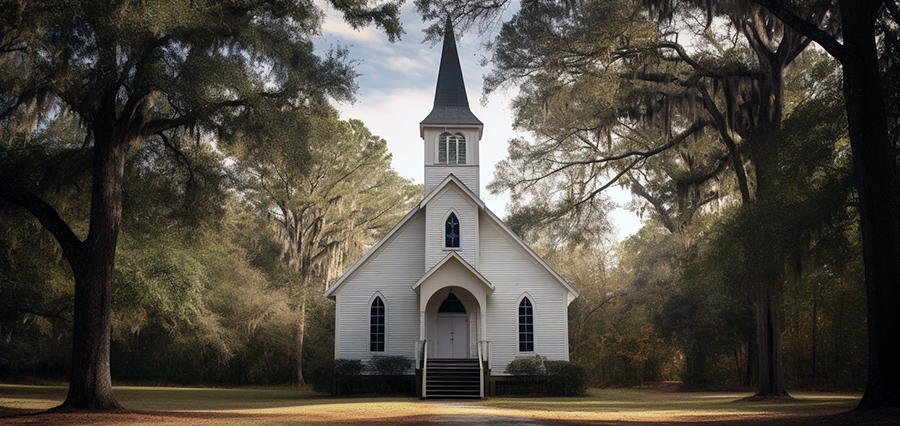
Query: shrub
[562, 378]
[567, 378]
[339, 376]
[531, 366]
[388, 374]
[390, 365]
[348, 367]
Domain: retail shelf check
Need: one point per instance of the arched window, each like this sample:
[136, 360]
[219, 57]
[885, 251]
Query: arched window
[526, 326]
[451, 149]
[451, 305]
[451, 231]
[376, 326]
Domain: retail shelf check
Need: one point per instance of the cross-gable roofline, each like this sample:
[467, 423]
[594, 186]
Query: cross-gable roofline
[453, 255]
[369, 253]
[451, 180]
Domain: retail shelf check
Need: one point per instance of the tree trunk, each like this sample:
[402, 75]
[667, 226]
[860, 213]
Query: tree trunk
[90, 385]
[298, 342]
[815, 336]
[751, 378]
[876, 184]
[768, 342]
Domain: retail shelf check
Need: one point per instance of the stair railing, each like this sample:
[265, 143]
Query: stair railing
[418, 354]
[480, 374]
[486, 348]
[424, 368]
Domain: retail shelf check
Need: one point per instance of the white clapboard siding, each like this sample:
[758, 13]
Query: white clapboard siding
[391, 272]
[467, 173]
[514, 272]
[468, 213]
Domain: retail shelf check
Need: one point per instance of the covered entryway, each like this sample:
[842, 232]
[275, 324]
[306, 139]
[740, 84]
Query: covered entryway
[450, 354]
[452, 301]
[451, 334]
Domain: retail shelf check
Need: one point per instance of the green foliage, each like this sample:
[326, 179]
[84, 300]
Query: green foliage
[125, 73]
[529, 366]
[348, 367]
[563, 378]
[347, 376]
[567, 378]
[337, 376]
[390, 365]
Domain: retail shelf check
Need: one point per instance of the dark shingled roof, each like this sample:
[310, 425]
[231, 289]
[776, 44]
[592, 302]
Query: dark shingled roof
[451, 106]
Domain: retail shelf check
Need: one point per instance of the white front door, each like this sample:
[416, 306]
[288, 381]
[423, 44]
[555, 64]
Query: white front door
[452, 336]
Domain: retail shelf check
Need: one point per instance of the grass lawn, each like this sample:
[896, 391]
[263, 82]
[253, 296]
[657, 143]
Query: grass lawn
[169, 405]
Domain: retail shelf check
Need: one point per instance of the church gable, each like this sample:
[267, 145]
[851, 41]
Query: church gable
[387, 273]
[403, 247]
[451, 205]
[504, 260]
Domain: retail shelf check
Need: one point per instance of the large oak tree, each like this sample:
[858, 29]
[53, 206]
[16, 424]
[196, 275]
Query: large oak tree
[855, 45]
[132, 70]
[327, 199]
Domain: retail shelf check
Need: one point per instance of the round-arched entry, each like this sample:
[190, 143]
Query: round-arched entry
[451, 331]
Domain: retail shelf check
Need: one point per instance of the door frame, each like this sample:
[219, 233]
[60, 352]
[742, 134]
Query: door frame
[467, 329]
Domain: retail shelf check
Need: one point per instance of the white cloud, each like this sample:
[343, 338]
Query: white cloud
[406, 65]
[334, 28]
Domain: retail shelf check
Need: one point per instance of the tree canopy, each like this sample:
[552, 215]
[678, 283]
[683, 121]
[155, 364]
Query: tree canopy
[135, 70]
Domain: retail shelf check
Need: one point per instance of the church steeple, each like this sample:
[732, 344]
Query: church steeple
[451, 132]
[451, 105]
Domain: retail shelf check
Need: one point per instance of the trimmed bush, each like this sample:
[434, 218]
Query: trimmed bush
[531, 366]
[339, 376]
[567, 378]
[390, 365]
[389, 374]
[349, 376]
[348, 367]
[560, 378]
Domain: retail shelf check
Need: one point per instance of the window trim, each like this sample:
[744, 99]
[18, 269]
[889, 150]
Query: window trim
[519, 334]
[460, 139]
[444, 245]
[384, 305]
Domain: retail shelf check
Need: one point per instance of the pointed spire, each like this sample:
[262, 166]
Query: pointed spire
[451, 105]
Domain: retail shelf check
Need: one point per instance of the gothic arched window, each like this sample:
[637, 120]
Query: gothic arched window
[376, 325]
[451, 231]
[526, 326]
[451, 149]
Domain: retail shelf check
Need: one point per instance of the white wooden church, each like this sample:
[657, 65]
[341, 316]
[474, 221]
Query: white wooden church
[451, 281]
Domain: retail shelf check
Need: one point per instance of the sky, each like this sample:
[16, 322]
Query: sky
[396, 91]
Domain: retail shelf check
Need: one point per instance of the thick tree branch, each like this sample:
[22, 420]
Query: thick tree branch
[685, 57]
[724, 131]
[55, 315]
[657, 204]
[50, 220]
[802, 26]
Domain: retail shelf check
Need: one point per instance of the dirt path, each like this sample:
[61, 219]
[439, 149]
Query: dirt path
[478, 415]
[448, 414]
[25, 405]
